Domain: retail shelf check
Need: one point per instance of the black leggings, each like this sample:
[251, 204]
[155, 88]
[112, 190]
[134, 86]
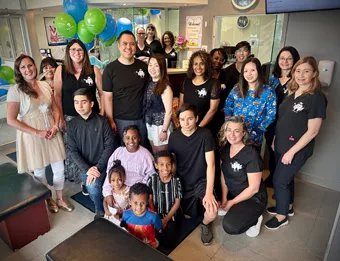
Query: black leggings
[245, 214]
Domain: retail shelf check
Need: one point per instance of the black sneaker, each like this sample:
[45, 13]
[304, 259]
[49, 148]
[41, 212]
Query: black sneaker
[274, 224]
[98, 215]
[272, 210]
[206, 234]
[84, 190]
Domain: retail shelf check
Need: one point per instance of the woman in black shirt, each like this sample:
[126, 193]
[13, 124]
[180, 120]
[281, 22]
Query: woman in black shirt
[300, 118]
[200, 89]
[168, 41]
[151, 40]
[244, 197]
[142, 50]
[285, 60]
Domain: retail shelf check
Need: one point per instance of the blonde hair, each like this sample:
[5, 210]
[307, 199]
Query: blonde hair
[316, 84]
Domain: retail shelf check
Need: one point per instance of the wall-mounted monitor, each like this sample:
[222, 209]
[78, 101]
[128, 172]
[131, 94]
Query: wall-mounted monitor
[289, 6]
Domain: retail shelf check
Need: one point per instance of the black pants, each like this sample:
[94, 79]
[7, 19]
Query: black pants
[284, 181]
[245, 214]
[269, 135]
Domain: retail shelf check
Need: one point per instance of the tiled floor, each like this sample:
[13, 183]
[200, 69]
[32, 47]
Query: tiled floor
[304, 239]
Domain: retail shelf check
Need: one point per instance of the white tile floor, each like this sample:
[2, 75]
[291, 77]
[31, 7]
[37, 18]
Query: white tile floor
[304, 239]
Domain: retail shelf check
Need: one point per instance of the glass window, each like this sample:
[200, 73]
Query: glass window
[18, 40]
[6, 51]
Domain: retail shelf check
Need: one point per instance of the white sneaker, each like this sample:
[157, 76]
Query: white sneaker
[221, 212]
[254, 231]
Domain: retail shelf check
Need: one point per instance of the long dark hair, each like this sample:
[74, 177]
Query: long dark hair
[171, 37]
[207, 62]
[22, 84]
[87, 68]
[243, 84]
[296, 57]
[164, 79]
[45, 62]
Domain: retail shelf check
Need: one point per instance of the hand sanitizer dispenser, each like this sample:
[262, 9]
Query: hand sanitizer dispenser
[326, 69]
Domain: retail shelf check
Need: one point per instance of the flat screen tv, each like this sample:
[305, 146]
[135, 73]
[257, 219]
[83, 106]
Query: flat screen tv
[289, 6]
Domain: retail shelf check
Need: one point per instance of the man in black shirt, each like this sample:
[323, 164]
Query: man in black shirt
[124, 82]
[194, 150]
[90, 141]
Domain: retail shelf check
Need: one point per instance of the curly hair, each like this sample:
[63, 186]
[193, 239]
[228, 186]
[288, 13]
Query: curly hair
[139, 189]
[206, 59]
[222, 139]
[171, 37]
[316, 84]
[164, 153]
[220, 51]
[117, 168]
[19, 79]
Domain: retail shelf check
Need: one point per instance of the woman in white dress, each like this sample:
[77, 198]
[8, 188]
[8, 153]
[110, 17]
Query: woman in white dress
[31, 109]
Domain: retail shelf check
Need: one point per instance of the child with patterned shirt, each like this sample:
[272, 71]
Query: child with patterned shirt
[166, 189]
[120, 192]
[139, 220]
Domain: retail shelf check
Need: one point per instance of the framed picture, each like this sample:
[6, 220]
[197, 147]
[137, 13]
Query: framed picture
[53, 38]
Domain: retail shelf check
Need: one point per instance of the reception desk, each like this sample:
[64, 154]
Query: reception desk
[176, 77]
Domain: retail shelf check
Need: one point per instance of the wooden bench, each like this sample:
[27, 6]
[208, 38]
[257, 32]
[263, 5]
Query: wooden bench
[23, 214]
[101, 240]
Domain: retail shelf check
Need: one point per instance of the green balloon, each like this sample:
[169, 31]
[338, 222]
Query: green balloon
[110, 41]
[144, 11]
[95, 20]
[6, 72]
[65, 25]
[11, 81]
[84, 35]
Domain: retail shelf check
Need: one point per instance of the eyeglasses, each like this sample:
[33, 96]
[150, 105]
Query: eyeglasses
[73, 50]
[242, 51]
[289, 59]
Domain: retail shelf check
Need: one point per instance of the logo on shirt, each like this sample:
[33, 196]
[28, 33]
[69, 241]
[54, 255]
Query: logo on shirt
[89, 81]
[285, 89]
[236, 166]
[202, 93]
[140, 73]
[298, 107]
[223, 86]
[173, 54]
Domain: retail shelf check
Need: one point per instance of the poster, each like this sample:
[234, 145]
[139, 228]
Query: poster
[53, 38]
[194, 31]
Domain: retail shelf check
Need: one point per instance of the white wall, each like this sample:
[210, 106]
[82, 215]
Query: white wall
[317, 34]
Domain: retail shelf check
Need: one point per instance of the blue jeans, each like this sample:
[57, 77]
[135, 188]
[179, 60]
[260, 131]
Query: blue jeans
[95, 191]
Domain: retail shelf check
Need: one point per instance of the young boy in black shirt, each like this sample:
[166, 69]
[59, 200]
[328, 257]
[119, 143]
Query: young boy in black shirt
[90, 140]
[194, 150]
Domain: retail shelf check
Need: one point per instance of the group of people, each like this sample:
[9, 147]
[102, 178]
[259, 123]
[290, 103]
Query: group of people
[209, 166]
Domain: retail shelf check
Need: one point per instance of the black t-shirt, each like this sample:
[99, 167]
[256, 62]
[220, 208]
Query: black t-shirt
[201, 95]
[145, 52]
[155, 47]
[71, 84]
[171, 57]
[293, 120]
[235, 170]
[232, 76]
[190, 157]
[127, 84]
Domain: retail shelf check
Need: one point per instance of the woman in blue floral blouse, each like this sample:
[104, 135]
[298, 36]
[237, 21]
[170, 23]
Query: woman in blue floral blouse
[252, 100]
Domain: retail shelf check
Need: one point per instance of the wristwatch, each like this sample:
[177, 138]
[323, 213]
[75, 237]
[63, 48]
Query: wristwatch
[164, 131]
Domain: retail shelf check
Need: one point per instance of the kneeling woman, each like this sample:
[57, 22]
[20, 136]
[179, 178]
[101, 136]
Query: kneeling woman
[241, 178]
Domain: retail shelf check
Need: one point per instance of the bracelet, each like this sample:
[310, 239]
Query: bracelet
[164, 131]
[55, 126]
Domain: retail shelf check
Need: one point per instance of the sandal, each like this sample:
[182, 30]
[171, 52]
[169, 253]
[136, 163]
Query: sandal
[69, 207]
[52, 206]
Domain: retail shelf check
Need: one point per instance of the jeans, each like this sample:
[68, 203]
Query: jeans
[121, 124]
[284, 181]
[245, 214]
[95, 191]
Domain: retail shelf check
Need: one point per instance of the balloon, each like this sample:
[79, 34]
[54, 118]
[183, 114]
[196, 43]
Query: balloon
[65, 25]
[7, 72]
[155, 11]
[110, 41]
[3, 92]
[12, 81]
[75, 8]
[95, 61]
[110, 28]
[122, 25]
[89, 46]
[3, 82]
[144, 11]
[75, 36]
[95, 20]
[84, 35]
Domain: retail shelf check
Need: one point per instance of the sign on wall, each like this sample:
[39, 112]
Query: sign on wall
[53, 38]
[193, 31]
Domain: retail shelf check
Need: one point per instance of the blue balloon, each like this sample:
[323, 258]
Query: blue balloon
[155, 11]
[3, 82]
[3, 92]
[123, 24]
[110, 28]
[75, 36]
[75, 8]
[89, 46]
